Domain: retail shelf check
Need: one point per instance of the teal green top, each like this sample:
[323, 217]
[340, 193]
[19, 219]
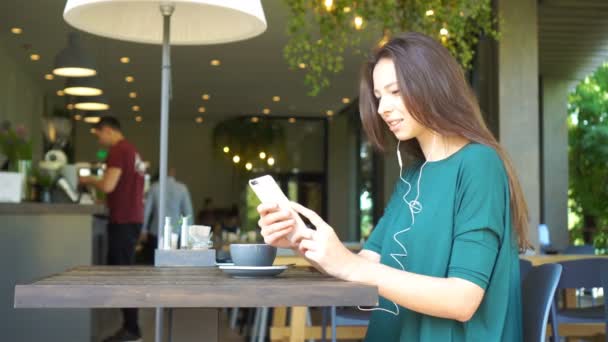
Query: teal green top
[464, 231]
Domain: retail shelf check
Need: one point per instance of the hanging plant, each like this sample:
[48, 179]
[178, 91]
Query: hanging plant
[253, 140]
[322, 31]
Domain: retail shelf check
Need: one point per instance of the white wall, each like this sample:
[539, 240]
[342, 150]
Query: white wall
[21, 99]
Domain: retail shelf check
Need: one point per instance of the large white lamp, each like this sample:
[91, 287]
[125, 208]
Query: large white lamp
[184, 22]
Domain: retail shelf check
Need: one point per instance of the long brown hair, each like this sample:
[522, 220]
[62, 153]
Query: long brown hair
[436, 94]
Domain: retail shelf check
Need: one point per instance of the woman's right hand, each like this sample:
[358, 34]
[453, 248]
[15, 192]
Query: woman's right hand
[276, 224]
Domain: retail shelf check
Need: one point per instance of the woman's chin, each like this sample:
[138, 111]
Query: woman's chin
[403, 136]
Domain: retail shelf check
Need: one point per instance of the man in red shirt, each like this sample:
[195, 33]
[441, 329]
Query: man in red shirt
[123, 182]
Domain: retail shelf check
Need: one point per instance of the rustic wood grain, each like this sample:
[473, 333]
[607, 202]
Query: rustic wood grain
[183, 287]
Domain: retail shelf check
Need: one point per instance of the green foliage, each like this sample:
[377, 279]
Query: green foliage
[319, 38]
[588, 151]
[15, 144]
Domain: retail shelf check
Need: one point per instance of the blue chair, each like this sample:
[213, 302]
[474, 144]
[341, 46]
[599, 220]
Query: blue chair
[343, 317]
[525, 266]
[582, 249]
[584, 273]
[538, 290]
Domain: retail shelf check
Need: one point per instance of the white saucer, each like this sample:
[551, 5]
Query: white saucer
[253, 271]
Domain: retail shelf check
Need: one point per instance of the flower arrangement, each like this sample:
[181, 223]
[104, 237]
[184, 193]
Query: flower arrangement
[15, 144]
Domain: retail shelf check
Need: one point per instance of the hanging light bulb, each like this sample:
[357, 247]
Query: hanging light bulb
[248, 166]
[262, 155]
[226, 149]
[270, 161]
[236, 159]
[358, 22]
[329, 4]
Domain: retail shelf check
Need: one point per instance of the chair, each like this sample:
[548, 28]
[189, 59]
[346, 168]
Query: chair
[584, 273]
[582, 249]
[538, 289]
[525, 266]
[343, 317]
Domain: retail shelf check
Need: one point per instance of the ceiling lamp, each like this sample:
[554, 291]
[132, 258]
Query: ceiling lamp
[73, 61]
[92, 119]
[83, 86]
[91, 103]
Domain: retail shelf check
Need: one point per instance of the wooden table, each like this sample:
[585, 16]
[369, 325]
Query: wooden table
[145, 286]
[556, 258]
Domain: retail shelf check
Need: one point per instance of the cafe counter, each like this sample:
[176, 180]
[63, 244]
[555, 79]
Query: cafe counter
[38, 239]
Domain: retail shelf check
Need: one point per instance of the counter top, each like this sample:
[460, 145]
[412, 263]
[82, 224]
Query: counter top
[33, 208]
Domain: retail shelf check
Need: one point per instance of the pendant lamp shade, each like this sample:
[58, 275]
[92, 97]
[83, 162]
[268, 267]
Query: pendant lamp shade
[73, 61]
[83, 86]
[92, 103]
[194, 22]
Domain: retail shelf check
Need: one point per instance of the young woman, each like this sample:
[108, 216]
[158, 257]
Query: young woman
[445, 254]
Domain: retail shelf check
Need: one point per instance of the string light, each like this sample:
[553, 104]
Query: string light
[358, 22]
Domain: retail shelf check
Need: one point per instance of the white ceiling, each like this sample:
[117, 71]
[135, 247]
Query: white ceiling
[573, 37]
[251, 73]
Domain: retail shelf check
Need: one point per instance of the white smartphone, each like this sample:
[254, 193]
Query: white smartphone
[268, 191]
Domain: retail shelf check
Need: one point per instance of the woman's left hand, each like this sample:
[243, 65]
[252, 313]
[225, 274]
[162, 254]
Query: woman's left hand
[325, 248]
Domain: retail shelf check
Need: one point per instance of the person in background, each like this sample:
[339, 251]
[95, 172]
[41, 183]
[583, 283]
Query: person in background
[178, 204]
[123, 182]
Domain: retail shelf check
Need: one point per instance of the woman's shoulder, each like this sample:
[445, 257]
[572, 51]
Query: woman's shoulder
[480, 153]
[479, 160]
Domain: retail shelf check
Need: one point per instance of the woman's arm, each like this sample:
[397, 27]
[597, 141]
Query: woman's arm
[370, 255]
[451, 298]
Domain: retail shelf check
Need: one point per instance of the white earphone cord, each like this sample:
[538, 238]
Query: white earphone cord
[415, 208]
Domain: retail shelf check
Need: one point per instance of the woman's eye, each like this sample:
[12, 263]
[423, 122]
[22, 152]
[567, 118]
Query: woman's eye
[395, 92]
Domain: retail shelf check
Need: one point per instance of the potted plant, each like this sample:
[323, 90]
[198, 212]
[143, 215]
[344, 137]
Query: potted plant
[44, 181]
